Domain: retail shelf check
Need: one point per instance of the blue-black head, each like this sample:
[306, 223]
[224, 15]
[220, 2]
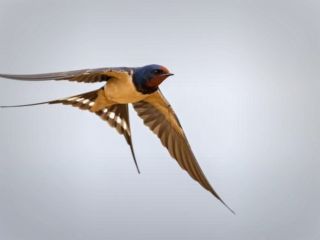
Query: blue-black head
[148, 78]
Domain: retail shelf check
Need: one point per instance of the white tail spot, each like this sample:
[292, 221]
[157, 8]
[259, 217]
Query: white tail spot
[86, 101]
[71, 99]
[118, 120]
[124, 125]
[112, 115]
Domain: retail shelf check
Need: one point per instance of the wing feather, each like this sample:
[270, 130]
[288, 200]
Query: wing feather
[83, 75]
[117, 115]
[158, 115]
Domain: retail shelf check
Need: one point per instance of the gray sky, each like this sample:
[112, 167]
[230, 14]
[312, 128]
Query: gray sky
[246, 89]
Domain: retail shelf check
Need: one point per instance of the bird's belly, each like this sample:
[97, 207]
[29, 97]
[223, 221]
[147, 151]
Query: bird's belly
[123, 91]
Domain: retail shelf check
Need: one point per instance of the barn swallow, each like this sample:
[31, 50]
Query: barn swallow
[140, 87]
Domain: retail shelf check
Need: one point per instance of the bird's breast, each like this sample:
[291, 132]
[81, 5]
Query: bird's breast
[122, 90]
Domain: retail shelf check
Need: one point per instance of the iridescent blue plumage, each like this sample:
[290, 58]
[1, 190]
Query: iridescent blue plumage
[147, 79]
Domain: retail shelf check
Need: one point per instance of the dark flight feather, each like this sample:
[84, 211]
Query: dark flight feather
[116, 115]
[158, 115]
[84, 75]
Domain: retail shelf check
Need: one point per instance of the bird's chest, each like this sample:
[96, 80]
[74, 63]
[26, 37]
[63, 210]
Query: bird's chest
[122, 90]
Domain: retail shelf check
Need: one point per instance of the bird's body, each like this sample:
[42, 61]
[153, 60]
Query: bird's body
[136, 86]
[121, 89]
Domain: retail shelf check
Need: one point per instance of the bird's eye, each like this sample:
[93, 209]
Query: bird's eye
[157, 71]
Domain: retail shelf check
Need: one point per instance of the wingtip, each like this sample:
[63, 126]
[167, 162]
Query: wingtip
[9, 76]
[135, 161]
[229, 208]
[134, 157]
[220, 199]
[25, 105]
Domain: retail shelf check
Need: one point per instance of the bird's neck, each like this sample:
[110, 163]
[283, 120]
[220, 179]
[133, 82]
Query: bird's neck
[140, 82]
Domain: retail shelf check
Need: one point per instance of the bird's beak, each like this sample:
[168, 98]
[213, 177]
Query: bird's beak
[167, 74]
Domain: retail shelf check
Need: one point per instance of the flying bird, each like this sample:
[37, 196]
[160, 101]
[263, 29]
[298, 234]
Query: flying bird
[138, 86]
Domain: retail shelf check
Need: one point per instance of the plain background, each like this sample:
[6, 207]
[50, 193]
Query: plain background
[246, 89]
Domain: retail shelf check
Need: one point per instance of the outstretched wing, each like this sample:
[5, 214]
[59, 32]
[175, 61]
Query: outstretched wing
[116, 115]
[84, 75]
[158, 115]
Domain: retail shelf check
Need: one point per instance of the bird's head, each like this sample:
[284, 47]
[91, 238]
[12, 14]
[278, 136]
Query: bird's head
[148, 78]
